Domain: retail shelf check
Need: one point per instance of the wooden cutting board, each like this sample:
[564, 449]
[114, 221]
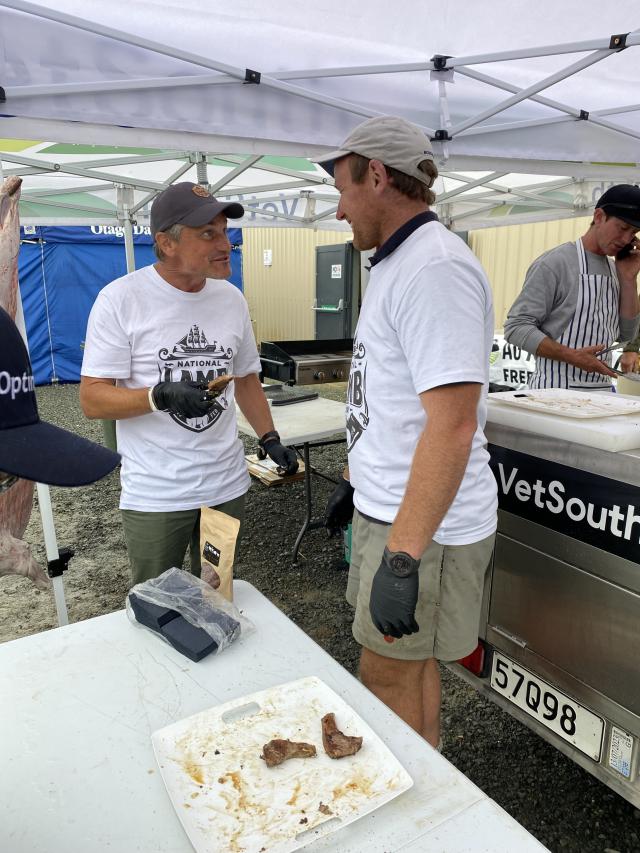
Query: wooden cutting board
[229, 801]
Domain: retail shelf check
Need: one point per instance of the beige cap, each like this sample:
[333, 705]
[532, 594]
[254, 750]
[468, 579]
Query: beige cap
[394, 141]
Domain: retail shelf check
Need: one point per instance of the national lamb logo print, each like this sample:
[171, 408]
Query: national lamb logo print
[195, 359]
[357, 408]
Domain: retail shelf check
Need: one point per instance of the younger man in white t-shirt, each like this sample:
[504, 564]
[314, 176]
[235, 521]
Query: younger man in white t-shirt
[155, 339]
[425, 498]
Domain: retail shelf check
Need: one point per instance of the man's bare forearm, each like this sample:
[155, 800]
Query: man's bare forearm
[548, 348]
[253, 403]
[100, 398]
[437, 470]
[585, 358]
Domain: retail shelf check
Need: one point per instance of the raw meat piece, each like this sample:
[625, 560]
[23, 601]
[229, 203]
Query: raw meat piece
[16, 503]
[9, 244]
[279, 750]
[337, 745]
[16, 559]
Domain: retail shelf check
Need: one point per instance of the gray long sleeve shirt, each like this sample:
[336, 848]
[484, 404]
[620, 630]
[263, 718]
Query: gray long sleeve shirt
[548, 299]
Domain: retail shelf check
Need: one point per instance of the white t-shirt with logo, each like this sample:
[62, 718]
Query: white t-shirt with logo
[142, 331]
[430, 296]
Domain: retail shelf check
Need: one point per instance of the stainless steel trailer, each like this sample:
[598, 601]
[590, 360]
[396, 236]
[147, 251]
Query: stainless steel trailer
[561, 613]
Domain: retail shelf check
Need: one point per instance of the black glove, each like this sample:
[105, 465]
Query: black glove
[339, 511]
[284, 457]
[189, 399]
[394, 594]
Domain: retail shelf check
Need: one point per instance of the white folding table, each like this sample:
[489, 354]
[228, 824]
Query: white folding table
[78, 705]
[305, 425]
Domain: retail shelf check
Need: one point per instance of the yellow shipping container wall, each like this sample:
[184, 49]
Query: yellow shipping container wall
[279, 270]
[507, 252]
[279, 266]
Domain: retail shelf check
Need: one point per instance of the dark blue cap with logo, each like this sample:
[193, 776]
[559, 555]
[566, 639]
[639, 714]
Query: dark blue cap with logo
[31, 448]
[189, 204]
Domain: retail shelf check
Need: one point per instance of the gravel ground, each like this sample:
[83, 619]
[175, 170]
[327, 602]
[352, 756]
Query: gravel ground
[560, 804]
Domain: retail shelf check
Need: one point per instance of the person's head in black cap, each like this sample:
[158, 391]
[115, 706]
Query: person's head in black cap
[189, 229]
[616, 220]
[32, 449]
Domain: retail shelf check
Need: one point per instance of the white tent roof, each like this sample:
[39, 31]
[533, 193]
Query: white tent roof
[533, 89]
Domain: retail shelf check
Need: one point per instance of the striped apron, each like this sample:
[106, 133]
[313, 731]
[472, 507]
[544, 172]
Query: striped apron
[595, 321]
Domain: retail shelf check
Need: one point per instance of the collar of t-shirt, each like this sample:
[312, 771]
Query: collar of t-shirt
[398, 237]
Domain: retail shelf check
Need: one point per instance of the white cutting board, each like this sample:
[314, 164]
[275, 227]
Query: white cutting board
[229, 801]
[567, 403]
[620, 432]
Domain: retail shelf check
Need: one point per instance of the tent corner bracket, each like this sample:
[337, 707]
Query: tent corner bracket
[251, 76]
[442, 135]
[583, 115]
[618, 42]
[440, 62]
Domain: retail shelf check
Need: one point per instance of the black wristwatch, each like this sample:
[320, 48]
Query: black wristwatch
[401, 564]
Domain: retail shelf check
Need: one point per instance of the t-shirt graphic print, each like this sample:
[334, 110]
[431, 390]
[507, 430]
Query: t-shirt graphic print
[196, 359]
[357, 408]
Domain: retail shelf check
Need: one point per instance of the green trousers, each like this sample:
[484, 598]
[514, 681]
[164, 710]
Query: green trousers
[157, 541]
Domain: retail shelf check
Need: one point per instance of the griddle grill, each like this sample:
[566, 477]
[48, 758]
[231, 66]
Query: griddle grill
[307, 362]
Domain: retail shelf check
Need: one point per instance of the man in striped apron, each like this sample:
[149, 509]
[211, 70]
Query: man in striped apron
[577, 300]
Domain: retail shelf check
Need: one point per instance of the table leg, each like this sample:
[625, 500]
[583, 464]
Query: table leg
[307, 499]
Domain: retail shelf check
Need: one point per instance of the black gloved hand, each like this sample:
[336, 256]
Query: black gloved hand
[394, 594]
[339, 511]
[189, 399]
[284, 457]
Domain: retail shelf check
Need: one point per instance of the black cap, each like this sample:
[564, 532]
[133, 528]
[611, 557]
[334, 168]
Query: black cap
[623, 202]
[31, 448]
[189, 204]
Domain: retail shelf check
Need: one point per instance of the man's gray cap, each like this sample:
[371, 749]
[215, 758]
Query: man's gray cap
[394, 141]
[189, 204]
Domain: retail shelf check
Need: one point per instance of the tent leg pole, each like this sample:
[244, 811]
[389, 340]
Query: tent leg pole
[51, 544]
[128, 243]
[44, 504]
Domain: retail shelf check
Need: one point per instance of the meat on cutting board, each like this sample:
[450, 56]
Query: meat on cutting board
[279, 750]
[16, 503]
[336, 744]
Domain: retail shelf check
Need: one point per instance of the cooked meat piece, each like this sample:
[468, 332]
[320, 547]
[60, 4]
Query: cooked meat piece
[217, 386]
[337, 745]
[279, 750]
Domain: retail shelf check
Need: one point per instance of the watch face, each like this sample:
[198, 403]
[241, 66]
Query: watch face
[401, 565]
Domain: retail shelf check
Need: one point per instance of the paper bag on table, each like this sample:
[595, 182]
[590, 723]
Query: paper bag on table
[218, 536]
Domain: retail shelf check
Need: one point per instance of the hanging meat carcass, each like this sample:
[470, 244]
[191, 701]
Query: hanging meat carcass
[16, 503]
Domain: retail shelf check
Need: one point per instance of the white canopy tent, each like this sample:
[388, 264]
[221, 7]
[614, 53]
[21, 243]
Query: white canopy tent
[504, 88]
[243, 81]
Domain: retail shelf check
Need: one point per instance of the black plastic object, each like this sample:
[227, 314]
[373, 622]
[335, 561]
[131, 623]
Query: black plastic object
[149, 614]
[624, 252]
[56, 567]
[186, 638]
[288, 401]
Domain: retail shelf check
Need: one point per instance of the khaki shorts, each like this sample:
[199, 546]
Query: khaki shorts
[449, 601]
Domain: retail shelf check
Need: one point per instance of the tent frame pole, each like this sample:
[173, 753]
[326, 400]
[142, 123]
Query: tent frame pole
[44, 506]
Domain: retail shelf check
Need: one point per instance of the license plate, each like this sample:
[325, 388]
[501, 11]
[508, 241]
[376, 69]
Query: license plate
[548, 706]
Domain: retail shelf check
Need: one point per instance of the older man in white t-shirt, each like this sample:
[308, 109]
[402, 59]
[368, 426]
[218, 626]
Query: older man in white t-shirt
[156, 338]
[425, 498]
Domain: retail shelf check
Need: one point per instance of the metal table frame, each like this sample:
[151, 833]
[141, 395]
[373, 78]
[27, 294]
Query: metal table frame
[306, 425]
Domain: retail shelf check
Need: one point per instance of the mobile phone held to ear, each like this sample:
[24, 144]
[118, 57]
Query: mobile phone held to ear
[625, 251]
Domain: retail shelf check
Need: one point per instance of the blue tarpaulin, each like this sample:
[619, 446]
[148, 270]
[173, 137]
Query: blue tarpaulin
[61, 271]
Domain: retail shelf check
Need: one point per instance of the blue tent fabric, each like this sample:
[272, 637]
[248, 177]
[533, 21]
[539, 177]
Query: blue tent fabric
[61, 271]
